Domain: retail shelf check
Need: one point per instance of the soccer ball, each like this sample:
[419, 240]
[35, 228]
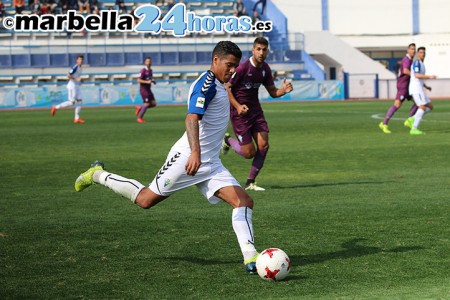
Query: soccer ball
[273, 264]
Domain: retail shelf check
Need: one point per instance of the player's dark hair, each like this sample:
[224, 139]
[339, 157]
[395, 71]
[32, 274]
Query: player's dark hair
[148, 57]
[412, 44]
[82, 56]
[224, 48]
[261, 41]
[421, 48]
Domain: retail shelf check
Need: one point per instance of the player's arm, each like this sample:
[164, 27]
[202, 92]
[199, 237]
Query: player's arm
[192, 131]
[407, 71]
[241, 109]
[283, 90]
[423, 76]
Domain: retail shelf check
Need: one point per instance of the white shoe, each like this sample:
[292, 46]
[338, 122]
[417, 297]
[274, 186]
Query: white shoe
[225, 146]
[254, 187]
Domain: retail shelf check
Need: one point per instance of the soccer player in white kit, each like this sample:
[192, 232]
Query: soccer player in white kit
[194, 158]
[416, 85]
[74, 91]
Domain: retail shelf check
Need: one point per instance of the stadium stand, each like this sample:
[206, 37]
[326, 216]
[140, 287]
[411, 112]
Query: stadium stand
[43, 58]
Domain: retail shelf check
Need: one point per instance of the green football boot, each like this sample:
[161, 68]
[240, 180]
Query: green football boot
[85, 179]
[384, 128]
[416, 131]
[409, 122]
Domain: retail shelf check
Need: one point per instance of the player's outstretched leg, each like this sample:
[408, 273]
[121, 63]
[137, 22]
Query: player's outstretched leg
[128, 188]
[59, 106]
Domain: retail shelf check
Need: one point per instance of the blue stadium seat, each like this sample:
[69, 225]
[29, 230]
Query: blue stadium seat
[133, 58]
[5, 61]
[40, 60]
[21, 60]
[294, 55]
[169, 58]
[115, 59]
[203, 57]
[96, 59]
[187, 58]
[59, 60]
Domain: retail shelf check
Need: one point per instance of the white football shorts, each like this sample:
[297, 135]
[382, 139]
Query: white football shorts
[420, 98]
[74, 93]
[210, 177]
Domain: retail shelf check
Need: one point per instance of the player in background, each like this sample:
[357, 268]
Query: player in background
[247, 117]
[416, 86]
[145, 80]
[74, 91]
[404, 75]
[194, 158]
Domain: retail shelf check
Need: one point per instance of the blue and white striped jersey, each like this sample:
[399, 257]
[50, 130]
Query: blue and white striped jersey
[208, 98]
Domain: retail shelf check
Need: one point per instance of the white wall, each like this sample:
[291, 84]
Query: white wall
[356, 17]
[434, 16]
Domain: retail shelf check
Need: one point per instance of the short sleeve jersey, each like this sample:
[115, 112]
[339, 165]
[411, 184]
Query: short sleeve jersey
[416, 84]
[246, 82]
[403, 79]
[76, 72]
[209, 99]
[146, 74]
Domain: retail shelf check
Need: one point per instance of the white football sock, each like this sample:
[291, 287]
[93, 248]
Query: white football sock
[243, 227]
[418, 117]
[77, 110]
[64, 104]
[128, 188]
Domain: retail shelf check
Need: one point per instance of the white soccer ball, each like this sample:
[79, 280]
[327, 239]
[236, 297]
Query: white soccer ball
[273, 264]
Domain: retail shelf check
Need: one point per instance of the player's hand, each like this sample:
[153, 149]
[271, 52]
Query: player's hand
[428, 88]
[78, 79]
[242, 110]
[193, 164]
[432, 76]
[154, 82]
[287, 86]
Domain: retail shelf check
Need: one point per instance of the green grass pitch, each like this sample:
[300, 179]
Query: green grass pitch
[362, 214]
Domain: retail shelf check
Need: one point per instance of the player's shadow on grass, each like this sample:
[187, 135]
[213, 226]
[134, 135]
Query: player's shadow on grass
[351, 250]
[279, 187]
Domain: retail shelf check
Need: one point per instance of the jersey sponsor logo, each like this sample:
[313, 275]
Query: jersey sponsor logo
[200, 102]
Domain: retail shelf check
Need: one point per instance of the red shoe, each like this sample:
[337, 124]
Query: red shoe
[138, 110]
[80, 121]
[140, 120]
[53, 112]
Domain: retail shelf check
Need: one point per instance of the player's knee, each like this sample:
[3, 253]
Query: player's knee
[264, 147]
[246, 201]
[144, 199]
[249, 153]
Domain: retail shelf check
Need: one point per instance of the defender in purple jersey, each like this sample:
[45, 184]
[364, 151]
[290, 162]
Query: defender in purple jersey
[404, 75]
[247, 117]
[145, 80]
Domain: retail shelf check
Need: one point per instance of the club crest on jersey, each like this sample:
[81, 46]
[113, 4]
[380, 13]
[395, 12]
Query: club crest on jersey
[200, 102]
[264, 73]
[166, 182]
